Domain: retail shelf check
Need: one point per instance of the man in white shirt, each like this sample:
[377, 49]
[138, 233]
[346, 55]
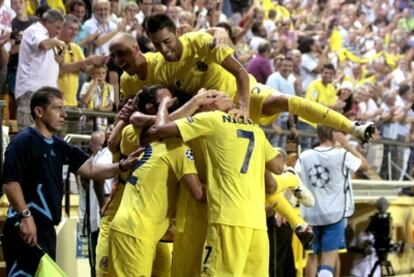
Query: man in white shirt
[38, 65]
[404, 102]
[100, 22]
[284, 81]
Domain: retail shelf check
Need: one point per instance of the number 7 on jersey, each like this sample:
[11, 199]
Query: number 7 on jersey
[250, 136]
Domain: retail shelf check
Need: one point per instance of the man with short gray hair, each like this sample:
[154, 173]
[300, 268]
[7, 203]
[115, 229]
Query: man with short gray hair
[38, 66]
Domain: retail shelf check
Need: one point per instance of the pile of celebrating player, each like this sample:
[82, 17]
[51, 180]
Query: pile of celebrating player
[207, 171]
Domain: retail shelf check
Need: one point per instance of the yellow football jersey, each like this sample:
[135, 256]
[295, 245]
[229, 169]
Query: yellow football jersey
[150, 193]
[235, 155]
[129, 142]
[199, 67]
[130, 85]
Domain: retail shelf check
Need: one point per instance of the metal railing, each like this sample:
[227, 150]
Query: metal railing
[78, 112]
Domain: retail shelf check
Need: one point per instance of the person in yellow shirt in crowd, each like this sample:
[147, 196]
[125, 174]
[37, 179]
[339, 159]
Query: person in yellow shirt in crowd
[193, 61]
[321, 91]
[73, 62]
[148, 204]
[236, 153]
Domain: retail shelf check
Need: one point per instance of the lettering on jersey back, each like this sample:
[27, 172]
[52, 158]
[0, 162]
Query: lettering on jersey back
[230, 119]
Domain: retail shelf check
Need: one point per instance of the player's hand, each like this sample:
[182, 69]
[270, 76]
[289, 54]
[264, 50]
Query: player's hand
[28, 231]
[167, 101]
[126, 110]
[59, 44]
[294, 132]
[203, 95]
[131, 159]
[242, 112]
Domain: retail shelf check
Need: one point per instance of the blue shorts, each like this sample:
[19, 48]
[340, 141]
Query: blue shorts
[329, 237]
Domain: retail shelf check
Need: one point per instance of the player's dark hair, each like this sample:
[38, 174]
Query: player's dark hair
[148, 94]
[324, 133]
[42, 98]
[157, 22]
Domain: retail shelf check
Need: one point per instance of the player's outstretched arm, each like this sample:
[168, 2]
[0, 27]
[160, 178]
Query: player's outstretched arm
[106, 171]
[270, 183]
[159, 132]
[193, 184]
[141, 120]
[275, 166]
[242, 79]
[163, 127]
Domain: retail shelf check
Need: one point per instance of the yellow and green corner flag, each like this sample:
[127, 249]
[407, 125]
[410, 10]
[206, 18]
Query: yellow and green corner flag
[48, 268]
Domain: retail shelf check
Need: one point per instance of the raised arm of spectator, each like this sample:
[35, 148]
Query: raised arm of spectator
[85, 65]
[90, 89]
[88, 40]
[104, 38]
[51, 43]
[4, 54]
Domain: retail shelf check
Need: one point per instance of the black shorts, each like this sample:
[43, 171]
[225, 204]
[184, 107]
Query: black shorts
[20, 256]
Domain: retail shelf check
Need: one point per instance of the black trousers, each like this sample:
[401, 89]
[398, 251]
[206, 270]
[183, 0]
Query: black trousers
[22, 257]
[281, 261]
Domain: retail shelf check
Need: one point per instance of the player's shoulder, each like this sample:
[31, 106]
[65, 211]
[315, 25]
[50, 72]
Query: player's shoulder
[125, 77]
[198, 38]
[152, 57]
[177, 149]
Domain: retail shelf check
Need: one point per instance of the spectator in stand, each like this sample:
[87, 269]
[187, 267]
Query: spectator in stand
[145, 9]
[38, 66]
[369, 110]
[259, 36]
[73, 62]
[284, 81]
[260, 66]
[89, 217]
[389, 120]
[20, 23]
[312, 60]
[269, 23]
[323, 92]
[6, 16]
[345, 97]
[100, 23]
[404, 101]
[98, 95]
[77, 8]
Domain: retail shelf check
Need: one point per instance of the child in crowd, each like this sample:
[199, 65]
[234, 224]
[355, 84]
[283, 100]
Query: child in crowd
[98, 95]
